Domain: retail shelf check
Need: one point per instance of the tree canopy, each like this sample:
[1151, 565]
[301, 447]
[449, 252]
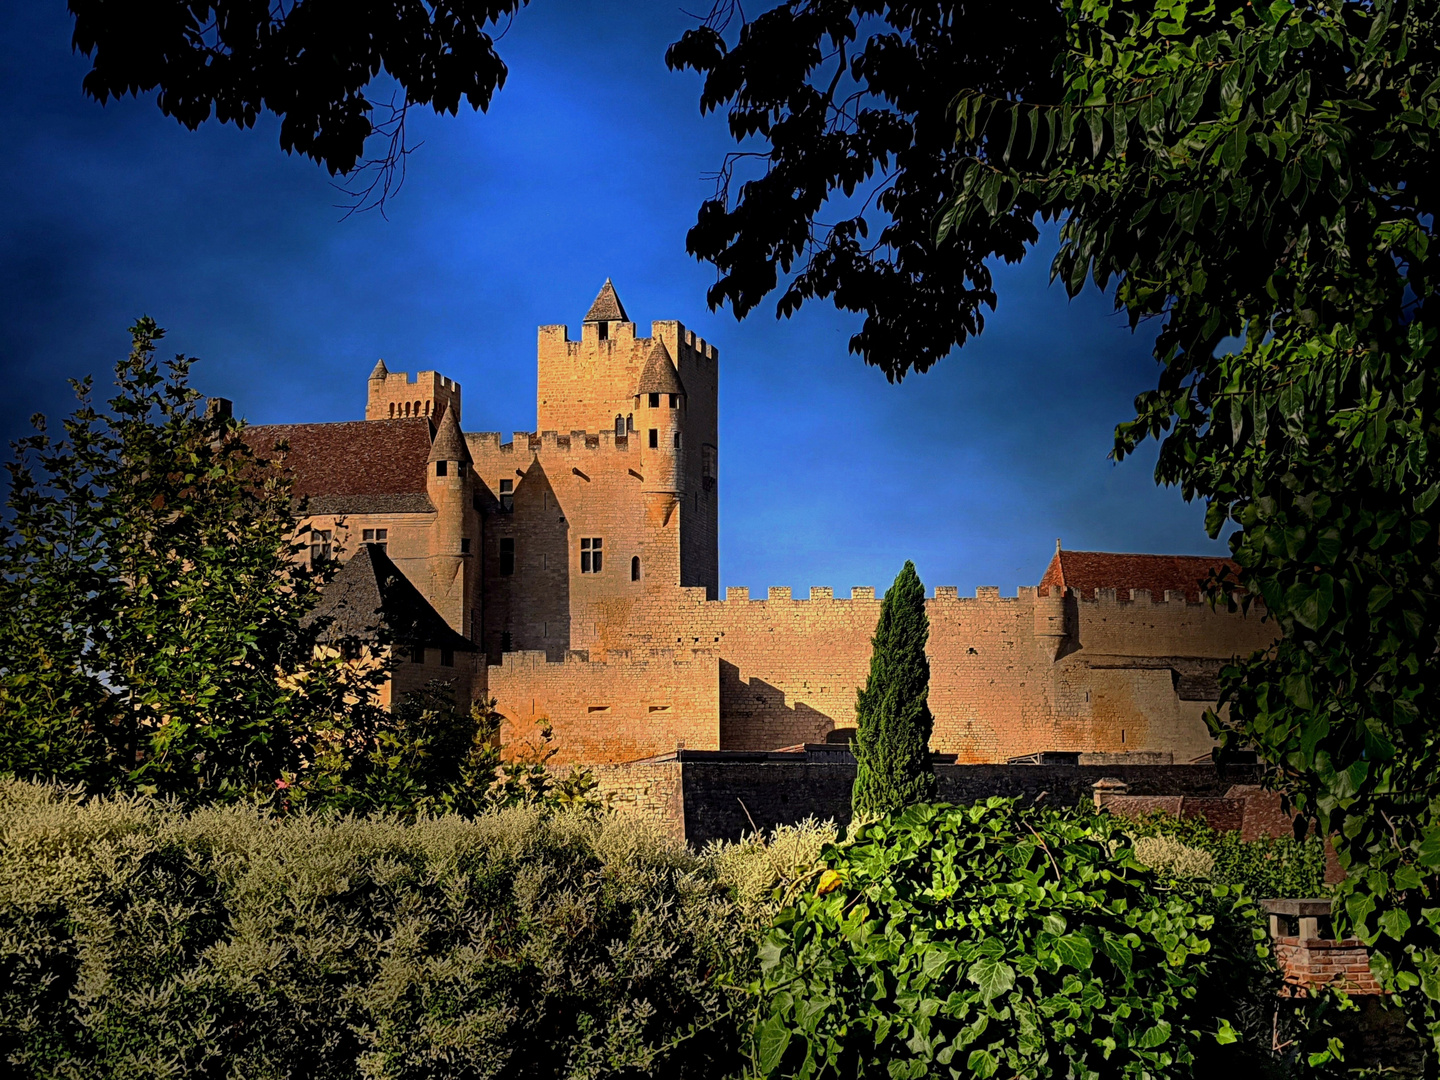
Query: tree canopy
[1253, 183]
[309, 62]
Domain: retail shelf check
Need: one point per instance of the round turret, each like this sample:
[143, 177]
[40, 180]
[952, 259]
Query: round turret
[660, 422]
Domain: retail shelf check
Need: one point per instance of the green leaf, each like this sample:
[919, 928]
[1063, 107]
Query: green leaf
[773, 1042]
[982, 1063]
[1074, 951]
[993, 977]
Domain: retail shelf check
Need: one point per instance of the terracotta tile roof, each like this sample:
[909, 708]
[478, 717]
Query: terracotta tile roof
[370, 599]
[1086, 571]
[353, 458]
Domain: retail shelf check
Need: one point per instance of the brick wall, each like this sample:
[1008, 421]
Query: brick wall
[614, 711]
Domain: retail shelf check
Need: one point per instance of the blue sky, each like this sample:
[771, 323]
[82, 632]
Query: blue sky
[591, 163]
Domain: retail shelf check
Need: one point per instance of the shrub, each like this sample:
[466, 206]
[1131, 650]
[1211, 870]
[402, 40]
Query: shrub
[1166, 855]
[999, 940]
[137, 941]
[1267, 867]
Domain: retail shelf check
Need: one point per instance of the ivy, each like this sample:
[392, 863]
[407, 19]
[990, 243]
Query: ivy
[995, 939]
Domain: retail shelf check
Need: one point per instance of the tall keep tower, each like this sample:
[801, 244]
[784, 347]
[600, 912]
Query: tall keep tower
[606, 381]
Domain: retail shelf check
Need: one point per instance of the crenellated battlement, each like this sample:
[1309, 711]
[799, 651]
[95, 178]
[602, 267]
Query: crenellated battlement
[394, 395]
[950, 594]
[551, 442]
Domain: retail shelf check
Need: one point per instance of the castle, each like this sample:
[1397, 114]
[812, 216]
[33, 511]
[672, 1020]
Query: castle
[572, 574]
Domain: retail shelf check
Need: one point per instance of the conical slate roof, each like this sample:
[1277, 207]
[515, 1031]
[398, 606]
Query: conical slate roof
[659, 375]
[379, 371]
[449, 444]
[371, 600]
[607, 306]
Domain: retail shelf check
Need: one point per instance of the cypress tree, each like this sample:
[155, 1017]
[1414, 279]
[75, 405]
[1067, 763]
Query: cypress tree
[892, 713]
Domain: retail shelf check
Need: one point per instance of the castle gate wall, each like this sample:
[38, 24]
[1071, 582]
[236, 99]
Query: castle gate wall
[617, 711]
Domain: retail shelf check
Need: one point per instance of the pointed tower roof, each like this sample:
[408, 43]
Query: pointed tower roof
[607, 306]
[379, 371]
[659, 375]
[449, 444]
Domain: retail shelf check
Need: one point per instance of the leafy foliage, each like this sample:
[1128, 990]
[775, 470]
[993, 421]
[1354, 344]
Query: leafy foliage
[892, 712]
[309, 62]
[996, 940]
[1264, 868]
[845, 108]
[139, 941]
[150, 613]
[1259, 178]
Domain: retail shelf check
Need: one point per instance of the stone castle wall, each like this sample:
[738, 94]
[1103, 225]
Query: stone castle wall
[1127, 676]
[617, 711]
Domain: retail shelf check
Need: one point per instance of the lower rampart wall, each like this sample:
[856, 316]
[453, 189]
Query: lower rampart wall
[619, 710]
[723, 800]
[1009, 676]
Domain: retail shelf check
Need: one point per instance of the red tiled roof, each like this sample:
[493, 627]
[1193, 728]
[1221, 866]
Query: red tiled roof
[1086, 571]
[357, 457]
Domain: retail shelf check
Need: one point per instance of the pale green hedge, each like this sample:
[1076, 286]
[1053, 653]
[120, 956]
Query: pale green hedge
[138, 941]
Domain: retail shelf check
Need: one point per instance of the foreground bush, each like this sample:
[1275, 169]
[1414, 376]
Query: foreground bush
[138, 941]
[995, 940]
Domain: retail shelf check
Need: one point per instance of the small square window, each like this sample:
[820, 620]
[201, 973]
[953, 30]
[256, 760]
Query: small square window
[654, 401]
[442, 468]
[654, 438]
[507, 556]
[417, 654]
[447, 657]
[591, 556]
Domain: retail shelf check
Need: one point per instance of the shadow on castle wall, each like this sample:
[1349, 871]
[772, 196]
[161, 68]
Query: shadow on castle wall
[754, 715]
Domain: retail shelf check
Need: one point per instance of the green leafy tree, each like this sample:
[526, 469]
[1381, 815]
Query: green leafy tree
[996, 940]
[1254, 183]
[892, 713]
[150, 607]
[309, 62]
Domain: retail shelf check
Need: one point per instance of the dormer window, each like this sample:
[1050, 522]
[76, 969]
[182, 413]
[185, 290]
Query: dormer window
[654, 401]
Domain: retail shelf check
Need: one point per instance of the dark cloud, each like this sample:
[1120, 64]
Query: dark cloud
[591, 163]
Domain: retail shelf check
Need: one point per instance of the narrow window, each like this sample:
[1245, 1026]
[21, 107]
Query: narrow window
[635, 568]
[407, 408]
[321, 549]
[654, 401]
[442, 468]
[677, 440]
[654, 438]
[707, 466]
[475, 500]
[674, 401]
[427, 407]
[619, 426]
[507, 556]
[447, 657]
[464, 545]
[392, 410]
[591, 557]
[417, 654]
[417, 408]
[602, 330]
[629, 421]
[507, 495]
[506, 645]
